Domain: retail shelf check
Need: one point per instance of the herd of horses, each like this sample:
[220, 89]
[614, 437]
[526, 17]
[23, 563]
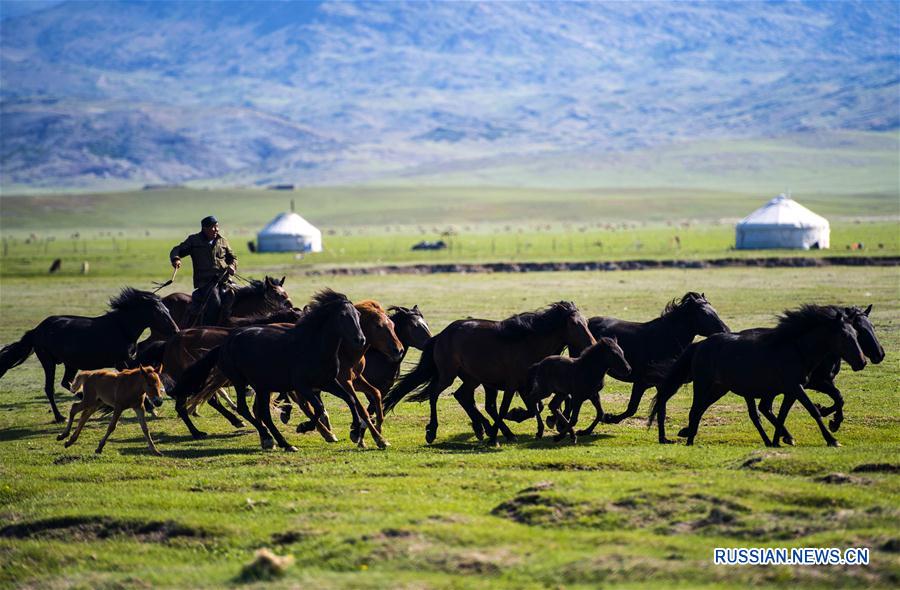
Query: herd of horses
[333, 345]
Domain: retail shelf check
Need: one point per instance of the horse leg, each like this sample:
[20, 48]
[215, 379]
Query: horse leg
[562, 424]
[754, 417]
[262, 405]
[705, 395]
[82, 420]
[781, 431]
[811, 408]
[181, 410]
[76, 407]
[504, 408]
[347, 385]
[837, 407]
[109, 430]
[661, 403]
[68, 375]
[465, 397]
[765, 406]
[140, 414]
[49, 365]
[373, 395]
[637, 392]
[265, 439]
[323, 427]
[217, 405]
[285, 407]
[595, 400]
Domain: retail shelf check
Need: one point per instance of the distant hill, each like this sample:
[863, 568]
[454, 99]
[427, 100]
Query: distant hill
[115, 94]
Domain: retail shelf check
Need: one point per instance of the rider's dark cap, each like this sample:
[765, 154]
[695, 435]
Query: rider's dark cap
[208, 221]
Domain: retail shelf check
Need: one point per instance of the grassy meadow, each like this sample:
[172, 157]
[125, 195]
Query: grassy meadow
[614, 510]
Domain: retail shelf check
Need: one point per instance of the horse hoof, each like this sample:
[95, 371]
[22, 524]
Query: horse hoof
[430, 435]
[290, 449]
[788, 440]
[305, 427]
[98, 450]
[58, 419]
[200, 435]
[68, 444]
[61, 436]
[834, 443]
[684, 432]
[285, 416]
[666, 441]
[510, 438]
[238, 424]
[361, 444]
[550, 422]
[583, 432]
[834, 425]
[382, 444]
[478, 429]
[267, 443]
[610, 419]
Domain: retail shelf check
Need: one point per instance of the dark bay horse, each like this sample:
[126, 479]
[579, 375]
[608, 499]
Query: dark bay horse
[381, 369]
[496, 355]
[83, 343]
[174, 355]
[648, 345]
[761, 365]
[577, 379]
[272, 359]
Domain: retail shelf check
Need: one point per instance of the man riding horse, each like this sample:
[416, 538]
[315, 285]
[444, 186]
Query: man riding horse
[214, 264]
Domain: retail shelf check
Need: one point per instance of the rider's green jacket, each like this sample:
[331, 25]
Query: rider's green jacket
[209, 257]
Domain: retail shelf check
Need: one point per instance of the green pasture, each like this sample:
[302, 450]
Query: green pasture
[616, 509]
[130, 253]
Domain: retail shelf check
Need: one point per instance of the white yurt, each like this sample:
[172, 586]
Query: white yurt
[782, 223]
[289, 233]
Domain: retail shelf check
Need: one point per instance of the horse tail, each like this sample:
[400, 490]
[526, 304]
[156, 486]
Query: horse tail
[679, 373]
[195, 376]
[424, 372]
[522, 414]
[13, 355]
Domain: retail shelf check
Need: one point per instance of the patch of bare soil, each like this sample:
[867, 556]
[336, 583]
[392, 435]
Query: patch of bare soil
[843, 478]
[91, 528]
[401, 544]
[877, 468]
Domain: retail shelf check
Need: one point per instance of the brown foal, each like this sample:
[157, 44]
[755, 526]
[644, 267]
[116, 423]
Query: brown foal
[119, 391]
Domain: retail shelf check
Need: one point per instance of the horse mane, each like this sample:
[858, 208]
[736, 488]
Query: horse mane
[677, 304]
[130, 297]
[370, 306]
[280, 316]
[541, 321]
[794, 323]
[318, 310]
[396, 310]
[256, 287]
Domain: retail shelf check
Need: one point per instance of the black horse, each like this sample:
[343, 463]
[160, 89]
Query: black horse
[648, 345]
[761, 365]
[381, 370]
[822, 377]
[82, 343]
[272, 359]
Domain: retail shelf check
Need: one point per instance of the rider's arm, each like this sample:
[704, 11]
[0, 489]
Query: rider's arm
[182, 249]
[230, 258]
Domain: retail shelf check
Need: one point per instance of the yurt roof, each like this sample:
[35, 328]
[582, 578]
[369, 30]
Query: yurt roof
[783, 211]
[289, 224]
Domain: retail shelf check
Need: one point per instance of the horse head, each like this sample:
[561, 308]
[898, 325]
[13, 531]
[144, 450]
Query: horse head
[577, 335]
[865, 332]
[847, 343]
[703, 315]
[410, 326]
[379, 330]
[275, 295]
[155, 388]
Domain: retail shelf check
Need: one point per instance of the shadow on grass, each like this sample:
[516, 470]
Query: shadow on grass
[23, 432]
[188, 453]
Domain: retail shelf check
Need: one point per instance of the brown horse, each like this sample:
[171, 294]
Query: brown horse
[259, 297]
[118, 391]
[496, 355]
[579, 379]
[187, 346]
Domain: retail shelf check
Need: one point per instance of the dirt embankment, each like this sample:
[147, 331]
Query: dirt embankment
[515, 267]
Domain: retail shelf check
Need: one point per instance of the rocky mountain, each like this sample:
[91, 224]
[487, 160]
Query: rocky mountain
[97, 93]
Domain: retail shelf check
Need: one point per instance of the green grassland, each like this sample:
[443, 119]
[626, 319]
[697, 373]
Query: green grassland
[614, 510]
